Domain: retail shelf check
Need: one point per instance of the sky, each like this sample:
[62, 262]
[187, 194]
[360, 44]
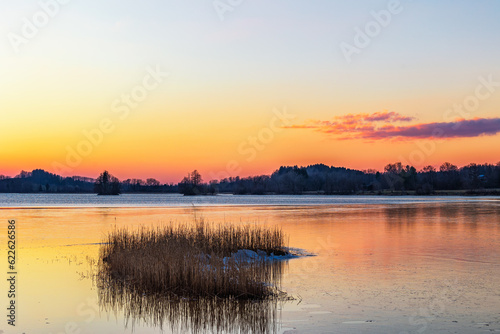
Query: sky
[159, 88]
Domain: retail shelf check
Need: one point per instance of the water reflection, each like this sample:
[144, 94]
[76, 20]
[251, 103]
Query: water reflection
[375, 262]
[449, 216]
[201, 315]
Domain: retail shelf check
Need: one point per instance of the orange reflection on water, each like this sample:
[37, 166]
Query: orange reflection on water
[385, 260]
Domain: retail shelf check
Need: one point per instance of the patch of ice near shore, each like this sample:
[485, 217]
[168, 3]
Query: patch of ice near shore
[247, 255]
[298, 252]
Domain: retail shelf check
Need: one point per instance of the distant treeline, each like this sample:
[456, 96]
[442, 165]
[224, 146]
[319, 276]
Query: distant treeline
[319, 179]
[40, 181]
[395, 178]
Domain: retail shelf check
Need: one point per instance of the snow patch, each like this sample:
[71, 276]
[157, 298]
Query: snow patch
[247, 255]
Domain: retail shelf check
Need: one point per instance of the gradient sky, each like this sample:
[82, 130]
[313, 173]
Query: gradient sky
[228, 79]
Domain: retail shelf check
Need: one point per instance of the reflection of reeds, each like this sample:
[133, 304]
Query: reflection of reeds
[186, 275]
[201, 315]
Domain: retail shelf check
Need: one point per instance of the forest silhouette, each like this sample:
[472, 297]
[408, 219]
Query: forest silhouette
[396, 178]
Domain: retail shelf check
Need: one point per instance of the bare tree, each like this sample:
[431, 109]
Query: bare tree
[107, 184]
[196, 178]
[448, 167]
[152, 182]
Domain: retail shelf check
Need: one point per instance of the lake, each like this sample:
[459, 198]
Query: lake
[381, 265]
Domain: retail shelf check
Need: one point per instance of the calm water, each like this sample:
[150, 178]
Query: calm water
[161, 200]
[383, 264]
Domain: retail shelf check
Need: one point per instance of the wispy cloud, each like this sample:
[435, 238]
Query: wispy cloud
[460, 128]
[388, 125]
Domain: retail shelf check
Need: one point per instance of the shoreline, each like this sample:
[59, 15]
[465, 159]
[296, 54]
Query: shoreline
[465, 193]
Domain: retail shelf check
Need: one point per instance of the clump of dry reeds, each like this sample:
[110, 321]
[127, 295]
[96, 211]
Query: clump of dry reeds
[193, 261]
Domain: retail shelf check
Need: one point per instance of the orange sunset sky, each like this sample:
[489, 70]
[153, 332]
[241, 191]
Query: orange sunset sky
[158, 89]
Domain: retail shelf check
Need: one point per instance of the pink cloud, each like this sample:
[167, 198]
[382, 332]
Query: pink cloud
[380, 125]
